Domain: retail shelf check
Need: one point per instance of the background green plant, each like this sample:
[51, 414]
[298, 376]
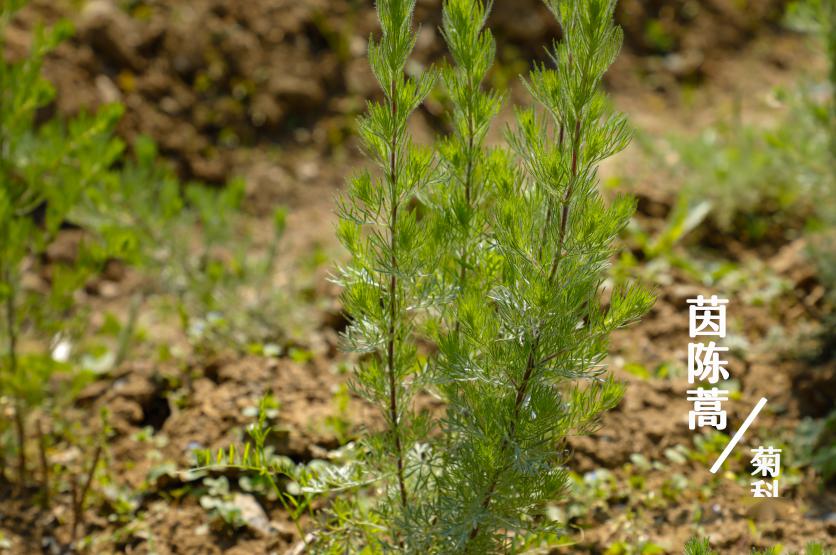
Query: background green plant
[770, 183]
[49, 172]
[701, 546]
[71, 204]
[191, 244]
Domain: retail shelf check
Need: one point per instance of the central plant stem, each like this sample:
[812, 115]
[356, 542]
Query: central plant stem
[468, 185]
[393, 297]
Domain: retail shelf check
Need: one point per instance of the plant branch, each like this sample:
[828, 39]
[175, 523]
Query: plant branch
[564, 217]
[393, 294]
[44, 464]
[11, 331]
[468, 184]
[79, 498]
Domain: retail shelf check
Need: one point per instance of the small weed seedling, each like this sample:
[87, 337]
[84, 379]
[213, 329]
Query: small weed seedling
[701, 546]
[258, 461]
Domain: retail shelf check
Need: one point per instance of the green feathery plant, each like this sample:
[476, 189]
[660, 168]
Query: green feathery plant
[698, 546]
[525, 369]
[499, 258]
[386, 287]
[386, 283]
[48, 172]
[461, 200]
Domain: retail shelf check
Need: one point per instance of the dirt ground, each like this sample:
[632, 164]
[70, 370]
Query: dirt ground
[268, 90]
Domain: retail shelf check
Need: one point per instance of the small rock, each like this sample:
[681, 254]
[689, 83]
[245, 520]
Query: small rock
[684, 64]
[301, 547]
[252, 514]
[108, 91]
[307, 171]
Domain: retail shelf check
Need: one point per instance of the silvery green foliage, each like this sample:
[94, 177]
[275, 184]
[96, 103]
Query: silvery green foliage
[510, 268]
[525, 369]
[386, 284]
[461, 201]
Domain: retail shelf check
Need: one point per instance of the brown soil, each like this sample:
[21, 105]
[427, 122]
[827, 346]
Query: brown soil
[268, 90]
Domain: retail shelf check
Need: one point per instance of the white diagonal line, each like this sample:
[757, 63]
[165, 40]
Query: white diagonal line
[738, 435]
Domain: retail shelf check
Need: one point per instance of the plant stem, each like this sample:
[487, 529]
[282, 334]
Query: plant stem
[393, 297]
[11, 330]
[564, 217]
[126, 334]
[44, 464]
[520, 396]
[550, 211]
[468, 184]
[20, 429]
[80, 498]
